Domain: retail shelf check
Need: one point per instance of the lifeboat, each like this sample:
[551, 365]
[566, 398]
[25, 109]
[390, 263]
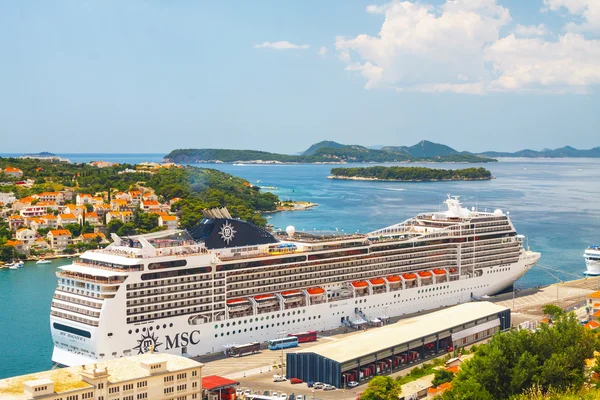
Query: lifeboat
[315, 291]
[409, 277]
[393, 279]
[264, 296]
[291, 293]
[439, 271]
[377, 282]
[425, 274]
[236, 301]
[452, 270]
[359, 284]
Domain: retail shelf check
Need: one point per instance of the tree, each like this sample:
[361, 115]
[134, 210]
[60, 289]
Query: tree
[553, 311]
[114, 225]
[442, 376]
[127, 229]
[382, 388]
[89, 208]
[75, 229]
[87, 228]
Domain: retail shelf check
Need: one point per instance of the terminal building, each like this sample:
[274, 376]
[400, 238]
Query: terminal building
[391, 348]
[146, 376]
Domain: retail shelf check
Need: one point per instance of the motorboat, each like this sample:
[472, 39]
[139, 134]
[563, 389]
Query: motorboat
[43, 261]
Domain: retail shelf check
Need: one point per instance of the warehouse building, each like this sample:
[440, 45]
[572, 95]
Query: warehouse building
[391, 348]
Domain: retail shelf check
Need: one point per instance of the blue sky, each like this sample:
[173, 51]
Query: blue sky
[152, 76]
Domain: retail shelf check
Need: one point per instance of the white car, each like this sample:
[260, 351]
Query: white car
[283, 396]
[279, 378]
[299, 397]
[274, 394]
[247, 392]
[328, 387]
[318, 385]
[352, 384]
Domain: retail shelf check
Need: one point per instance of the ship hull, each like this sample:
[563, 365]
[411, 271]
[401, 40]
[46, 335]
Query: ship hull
[113, 339]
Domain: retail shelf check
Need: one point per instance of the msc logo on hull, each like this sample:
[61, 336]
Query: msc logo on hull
[149, 341]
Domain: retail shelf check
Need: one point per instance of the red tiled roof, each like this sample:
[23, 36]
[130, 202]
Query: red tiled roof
[213, 382]
[60, 232]
[591, 325]
[150, 203]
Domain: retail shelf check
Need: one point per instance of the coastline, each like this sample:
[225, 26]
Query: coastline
[292, 206]
[361, 178]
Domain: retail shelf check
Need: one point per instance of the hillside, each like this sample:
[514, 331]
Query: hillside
[562, 152]
[317, 146]
[423, 149]
[410, 174]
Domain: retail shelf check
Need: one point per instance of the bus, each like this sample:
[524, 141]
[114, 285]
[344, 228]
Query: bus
[240, 350]
[303, 337]
[283, 343]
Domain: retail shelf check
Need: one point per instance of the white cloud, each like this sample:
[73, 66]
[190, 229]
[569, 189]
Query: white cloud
[281, 45]
[531, 30]
[586, 10]
[322, 51]
[457, 48]
[419, 46]
[571, 63]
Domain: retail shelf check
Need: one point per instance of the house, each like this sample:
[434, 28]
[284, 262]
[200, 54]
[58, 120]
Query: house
[65, 219]
[33, 211]
[135, 197]
[91, 218]
[592, 299]
[431, 392]
[56, 197]
[89, 237]
[59, 238]
[123, 196]
[83, 198]
[592, 325]
[15, 222]
[13, 172]
[150, 197]
[27, 236]
[50, 220]
[102, 164]
[174, 200]
[40, 244]
[7, 198]
[74, 209]
[36, 223]
[50, 205]
[123, 216]
[118, 204]
[168, 221]
[17, 244]
[24, 202]
[102, 208]
[150, 205]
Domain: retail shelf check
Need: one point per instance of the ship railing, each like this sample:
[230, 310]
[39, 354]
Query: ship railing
[79, 310]
[344, 297]
[91, 278]
[317, 301]
[107, 268]
[73, 318]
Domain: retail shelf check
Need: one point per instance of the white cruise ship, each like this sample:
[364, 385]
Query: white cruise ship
[592, 260]
[229, 281]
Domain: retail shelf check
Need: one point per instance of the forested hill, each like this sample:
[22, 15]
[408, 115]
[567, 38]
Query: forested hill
[199, 188]
[411, 174]
[337, 154]
[562, 152]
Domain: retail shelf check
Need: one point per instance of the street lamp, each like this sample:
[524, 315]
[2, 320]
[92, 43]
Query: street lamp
[280, 335]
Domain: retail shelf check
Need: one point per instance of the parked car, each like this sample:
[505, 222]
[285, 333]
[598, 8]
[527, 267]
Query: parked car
[352, 384]
[295, 381]
[279, 378]
[310, 383]
[328, 387]
[274, 394]
[247, 392]
[283, 396]
[317, 385]
[299, 397]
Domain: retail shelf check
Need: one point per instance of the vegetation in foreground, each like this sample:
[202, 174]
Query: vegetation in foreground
[413, 174]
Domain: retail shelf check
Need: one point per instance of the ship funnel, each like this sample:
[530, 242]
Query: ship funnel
[290, 230]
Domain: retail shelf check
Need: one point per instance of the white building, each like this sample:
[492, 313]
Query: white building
[7, 198]
[27, 236]
[147, 376]
[13, 172]
[168, 221]
[59, 238]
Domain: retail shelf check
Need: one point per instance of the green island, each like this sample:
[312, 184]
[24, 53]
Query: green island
[557, 361]
[328, 152]
[82, 204]
[410, 174]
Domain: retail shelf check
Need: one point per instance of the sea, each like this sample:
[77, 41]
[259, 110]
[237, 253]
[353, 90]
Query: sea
[554, 202]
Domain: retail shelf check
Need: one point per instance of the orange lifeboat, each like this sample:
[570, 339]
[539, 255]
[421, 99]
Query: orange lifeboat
[237, 301]
[315, 291]
[377, 282]
[425, 274]
[439, 271]
[452, 270]
[409, 277]
[291, 293]
[393, 279]
[264, 296]
[359, 284]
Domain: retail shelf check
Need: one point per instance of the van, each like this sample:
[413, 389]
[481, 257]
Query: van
[279, 378]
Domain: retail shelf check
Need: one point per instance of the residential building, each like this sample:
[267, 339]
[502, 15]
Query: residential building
[13, 172]
[118, 204]
[91, 218]
[74, 209]
[149, 196]
[15, 222]
[59, 238]
[148, 376]
[27, 236]
[57, 197]
[135, 197]
[64, 219]
[24, 202]
[50, 220]
[88, 237]
[50, 205]
[150, 205]
[83, 198]
[101, 209]
[7, 198]
[33, 211]
[103, 164]
[123, 196]
[168, 221]
[36, 223]
[40, 244]
[17, 244]
[174, 200]
[123, 216]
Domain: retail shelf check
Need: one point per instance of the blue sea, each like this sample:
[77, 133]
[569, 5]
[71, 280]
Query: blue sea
[555, 203]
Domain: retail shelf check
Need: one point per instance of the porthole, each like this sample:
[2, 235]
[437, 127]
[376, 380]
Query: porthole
[233, 323]
[216, 335]
[130, 331]
[227, 333]
[170, 325]
[157, 327]
[137, 331]
[222, 325]
[165, 326]
[143, 329]
[221, 334]
[216, 326]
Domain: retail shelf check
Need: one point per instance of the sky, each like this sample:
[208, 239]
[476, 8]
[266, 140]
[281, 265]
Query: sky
[151, 76]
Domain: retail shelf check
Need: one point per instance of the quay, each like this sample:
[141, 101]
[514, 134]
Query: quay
[255, 371]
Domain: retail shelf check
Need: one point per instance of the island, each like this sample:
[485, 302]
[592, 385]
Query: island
[410, 174]
[328, 152]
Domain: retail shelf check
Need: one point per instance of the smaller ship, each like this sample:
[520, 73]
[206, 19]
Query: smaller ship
[592, 260]
[43, 261]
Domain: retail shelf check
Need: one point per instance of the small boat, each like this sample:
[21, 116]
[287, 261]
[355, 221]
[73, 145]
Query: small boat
[43, 261]
[409, 277]
[452, 270]
[20, 264]
[439, 271]
[425, 274]
[377, 282]
[315, 291]
[264, 296]
[291, 293]
[393, 279]
[359, 284]
[237, 301]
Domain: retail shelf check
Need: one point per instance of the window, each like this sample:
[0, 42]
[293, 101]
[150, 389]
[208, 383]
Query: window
[142, 395]
[142, 384]
[169, 390]
[168, 378]
[128, 387]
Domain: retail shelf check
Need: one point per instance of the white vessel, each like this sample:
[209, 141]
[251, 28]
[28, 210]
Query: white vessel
[43, 261]
[592, 260]
[228, 281]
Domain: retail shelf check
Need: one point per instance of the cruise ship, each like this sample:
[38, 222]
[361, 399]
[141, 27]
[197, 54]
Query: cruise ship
[592, 260]
[229, 281]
